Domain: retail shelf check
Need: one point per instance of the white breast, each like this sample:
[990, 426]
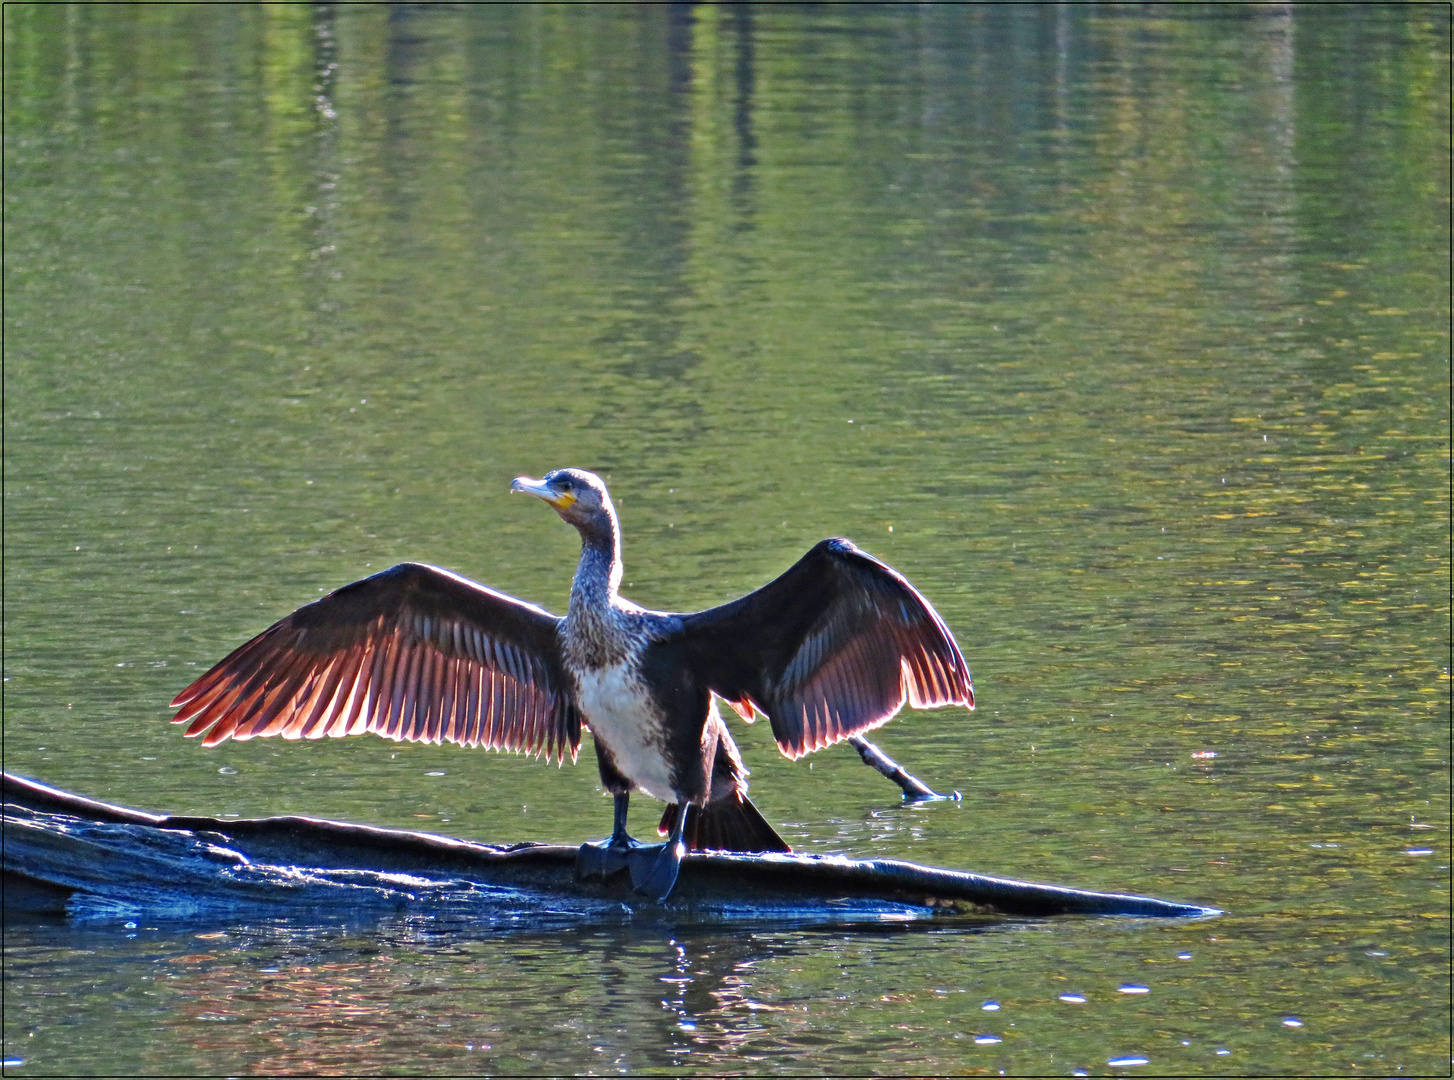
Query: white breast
[622, 716]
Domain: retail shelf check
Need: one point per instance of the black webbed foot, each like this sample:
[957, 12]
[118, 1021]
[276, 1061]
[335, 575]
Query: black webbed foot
[604, 858]
[654, 869]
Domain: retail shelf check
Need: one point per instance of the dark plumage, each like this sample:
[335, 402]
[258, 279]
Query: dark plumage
[832, 648]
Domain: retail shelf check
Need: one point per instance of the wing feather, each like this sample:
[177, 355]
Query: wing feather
[450, 688]
[515, 710]
[272, 715]
[416, 704]
[497, 710]
[413, 653]
[357, 709]
[464, 731]
[834, 647]
[321, 686]
[424, 699]
[450, 685]
[314, 724]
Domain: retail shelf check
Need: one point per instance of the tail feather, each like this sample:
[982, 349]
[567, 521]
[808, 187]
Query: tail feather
[730, 824]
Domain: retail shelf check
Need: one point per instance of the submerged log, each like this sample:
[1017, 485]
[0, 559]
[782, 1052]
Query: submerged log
[64, 853]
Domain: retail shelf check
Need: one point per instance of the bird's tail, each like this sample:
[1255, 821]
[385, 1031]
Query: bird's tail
[730, 824]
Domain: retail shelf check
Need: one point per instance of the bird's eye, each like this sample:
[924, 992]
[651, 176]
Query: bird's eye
[565, 484]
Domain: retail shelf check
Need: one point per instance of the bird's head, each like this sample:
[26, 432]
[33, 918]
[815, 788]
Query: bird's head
[578, 496]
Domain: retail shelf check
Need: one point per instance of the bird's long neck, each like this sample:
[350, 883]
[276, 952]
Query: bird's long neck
[599, 574]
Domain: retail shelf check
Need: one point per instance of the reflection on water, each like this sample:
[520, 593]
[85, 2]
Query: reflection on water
[290, 1000]
[1121, 331]
[282, 999]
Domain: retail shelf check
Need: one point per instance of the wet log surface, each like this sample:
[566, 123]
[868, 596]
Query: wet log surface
[64, 853]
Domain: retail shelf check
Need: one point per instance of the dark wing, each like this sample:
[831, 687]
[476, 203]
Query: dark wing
[833, 647]
[414, 653]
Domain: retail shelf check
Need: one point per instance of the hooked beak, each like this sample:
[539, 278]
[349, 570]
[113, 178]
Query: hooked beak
[541, 490]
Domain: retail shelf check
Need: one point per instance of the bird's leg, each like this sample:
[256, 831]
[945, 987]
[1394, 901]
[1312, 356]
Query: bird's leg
[914, 789]
[654, 869]
[619, 837]
[606, 857]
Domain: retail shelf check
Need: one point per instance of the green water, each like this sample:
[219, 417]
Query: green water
[1122, 333]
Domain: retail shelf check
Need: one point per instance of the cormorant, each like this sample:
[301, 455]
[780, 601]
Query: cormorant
[832, 648]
